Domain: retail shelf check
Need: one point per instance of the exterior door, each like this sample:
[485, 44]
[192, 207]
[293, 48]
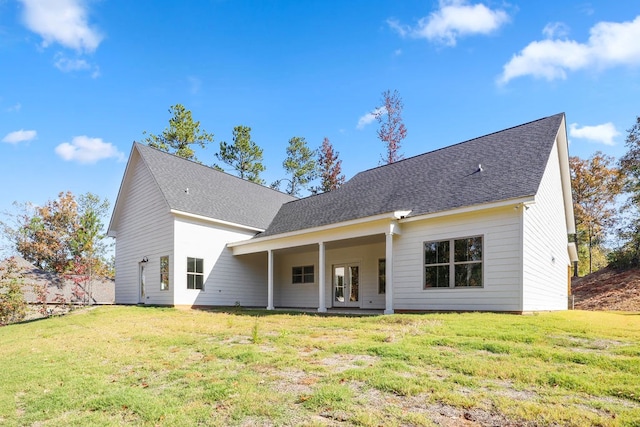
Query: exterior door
[141, 279]
[346, 285]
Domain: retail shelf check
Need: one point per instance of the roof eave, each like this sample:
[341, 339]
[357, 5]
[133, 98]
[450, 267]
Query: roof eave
[565, 176]
[395, 215]
[472, 208]
[110, 231]
[216, 221]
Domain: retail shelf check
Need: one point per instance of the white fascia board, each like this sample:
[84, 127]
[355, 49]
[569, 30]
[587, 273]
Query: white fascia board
[388, 215]
[110, 231]
[565, 176]
[215, 221]
[529, 200]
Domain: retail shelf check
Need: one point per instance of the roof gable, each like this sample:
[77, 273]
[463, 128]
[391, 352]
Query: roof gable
[200, 190]
[500, 166]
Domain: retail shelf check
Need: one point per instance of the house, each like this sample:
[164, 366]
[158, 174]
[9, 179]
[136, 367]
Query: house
[38, 285]
[480, 225]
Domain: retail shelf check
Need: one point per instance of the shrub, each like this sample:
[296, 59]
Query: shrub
[12, 304]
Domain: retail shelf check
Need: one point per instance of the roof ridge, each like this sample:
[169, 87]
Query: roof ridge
[211, 168]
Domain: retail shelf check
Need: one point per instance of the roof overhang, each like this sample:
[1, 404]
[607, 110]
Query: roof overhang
[474, 208]
[376, 224]
[215, 221]
[565, 175]
[111, 231]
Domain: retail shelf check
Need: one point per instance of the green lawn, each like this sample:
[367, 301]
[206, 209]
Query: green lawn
[160, 366]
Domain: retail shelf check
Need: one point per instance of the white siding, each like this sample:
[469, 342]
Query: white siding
[545, 256]
[144, 229]
[500, 229]
[228, 280]
[288, 294]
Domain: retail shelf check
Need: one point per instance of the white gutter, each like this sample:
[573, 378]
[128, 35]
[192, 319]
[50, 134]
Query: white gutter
[215, 221]
[522, 200]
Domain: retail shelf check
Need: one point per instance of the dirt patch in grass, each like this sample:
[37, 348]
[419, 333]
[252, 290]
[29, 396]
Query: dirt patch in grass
[341, 362]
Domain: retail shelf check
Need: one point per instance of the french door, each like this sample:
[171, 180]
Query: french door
[346, 285]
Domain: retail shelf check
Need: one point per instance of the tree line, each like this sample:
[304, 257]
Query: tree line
[302, 164]
[606, 199]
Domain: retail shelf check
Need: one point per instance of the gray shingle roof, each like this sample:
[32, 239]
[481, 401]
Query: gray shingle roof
[211, 193]
[513, 161]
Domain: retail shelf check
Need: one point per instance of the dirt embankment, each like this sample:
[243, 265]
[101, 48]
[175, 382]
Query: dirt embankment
[608, 289]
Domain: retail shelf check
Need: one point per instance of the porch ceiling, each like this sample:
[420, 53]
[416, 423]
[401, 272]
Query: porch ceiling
[336, 244]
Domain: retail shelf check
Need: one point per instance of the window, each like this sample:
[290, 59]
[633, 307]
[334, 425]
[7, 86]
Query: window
[302, 274]
[164, 273]
[195, 273]
[382, 276]
[460, 267]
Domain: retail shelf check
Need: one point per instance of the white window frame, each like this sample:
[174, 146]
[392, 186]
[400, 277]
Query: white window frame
[303, 274]
[451, 263]
[164, 286]
[195, 273]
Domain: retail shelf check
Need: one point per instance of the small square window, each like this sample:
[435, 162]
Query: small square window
[304, 274]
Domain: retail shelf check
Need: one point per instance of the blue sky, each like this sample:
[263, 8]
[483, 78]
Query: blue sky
[81, 80]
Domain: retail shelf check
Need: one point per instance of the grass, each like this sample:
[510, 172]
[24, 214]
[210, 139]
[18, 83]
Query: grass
[160, 366]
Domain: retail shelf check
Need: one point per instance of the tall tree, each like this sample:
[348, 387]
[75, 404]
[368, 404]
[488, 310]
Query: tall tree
[181, 135]
[300, 164]
[244, 155]
[88, 244]
[629, 252]
[595, 184]
[392, 129]
[630, 163]
[329, 168]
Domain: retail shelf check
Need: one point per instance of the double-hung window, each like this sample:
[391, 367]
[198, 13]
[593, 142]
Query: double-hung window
[453, 263]
[195, 273]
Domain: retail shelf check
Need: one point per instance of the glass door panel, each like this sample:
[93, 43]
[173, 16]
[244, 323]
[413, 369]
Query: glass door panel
[346, 285]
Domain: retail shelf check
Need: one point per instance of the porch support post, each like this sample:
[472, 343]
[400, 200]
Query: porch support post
[270, 280]
[388, 274]
[322, 308]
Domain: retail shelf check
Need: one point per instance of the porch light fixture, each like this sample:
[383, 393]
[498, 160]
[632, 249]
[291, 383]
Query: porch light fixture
[145, 259]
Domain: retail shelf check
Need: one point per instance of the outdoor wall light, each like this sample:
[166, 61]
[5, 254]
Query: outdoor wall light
[145, 259]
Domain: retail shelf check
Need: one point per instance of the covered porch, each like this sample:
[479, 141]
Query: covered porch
[346, 266]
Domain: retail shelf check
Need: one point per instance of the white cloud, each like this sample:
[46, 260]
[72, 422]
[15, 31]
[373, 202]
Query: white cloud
[20, 136]
[84, 149]
[368, 118]
[603, 133]
[610, 44]
[66, 65]
[14, 108]
[555, 29]
[454, 19]
[62, 21]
